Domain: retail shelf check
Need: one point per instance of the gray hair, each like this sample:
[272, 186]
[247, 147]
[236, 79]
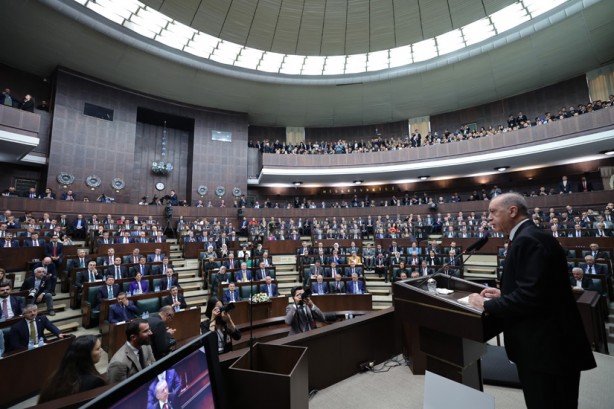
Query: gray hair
[514, 199]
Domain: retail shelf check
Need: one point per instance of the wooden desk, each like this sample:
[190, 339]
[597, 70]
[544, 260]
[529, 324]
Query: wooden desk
[593, 319]
[274, 308]
[43, 361]
[343, 302]
[185, 322]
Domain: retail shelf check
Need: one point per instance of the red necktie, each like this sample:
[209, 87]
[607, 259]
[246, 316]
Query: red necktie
[55, 249]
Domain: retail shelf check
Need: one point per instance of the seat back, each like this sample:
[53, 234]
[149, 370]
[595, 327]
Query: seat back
[150, 305]
[244, 291]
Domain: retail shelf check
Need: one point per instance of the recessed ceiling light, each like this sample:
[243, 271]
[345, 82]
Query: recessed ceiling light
[358, 182]
[608, 152]
[297, 183]
[502, 168]
[425, 177]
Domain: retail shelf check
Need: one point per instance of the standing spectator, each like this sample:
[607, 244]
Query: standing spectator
[162, 341]
[28, 103]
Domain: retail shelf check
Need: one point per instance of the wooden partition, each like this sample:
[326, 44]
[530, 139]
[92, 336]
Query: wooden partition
[185, 322]
[42, 360]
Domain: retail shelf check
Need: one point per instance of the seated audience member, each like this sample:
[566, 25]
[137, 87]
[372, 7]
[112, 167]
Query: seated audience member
[175, 300]
[579, 282]
[8, 241]
[124, 310]
[262, 272]
[138, 286]
[353, 269]
[369, 256]
[156, 256]
[134, 355]
[34, 241]
[10, 305]
[243, 275]
[319, 287]
[302, 313]
[81, 261]
[231, 263]
[423, 270]
[355, 286]
[597, 253]
[337, 286]
[169, 280]
[107, 292]
[87, 276]
[402, 276]
[592, 268]
[31, 328]
[268, 261]
[432, 259]
[231, 294]
[219, 277]
[354, 258]
[397, 271]
[451, 271]
[117, 270]
[269, 288]
[220, 322]
[162, 341]
[142, 267]
[39, 289]
[69, 195]
[414, 249]
[77, 371]
[164, 267]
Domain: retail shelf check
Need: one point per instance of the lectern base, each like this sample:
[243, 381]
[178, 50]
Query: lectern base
[497, 369]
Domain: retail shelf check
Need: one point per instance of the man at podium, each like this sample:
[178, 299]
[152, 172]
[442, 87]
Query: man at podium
[543, 332]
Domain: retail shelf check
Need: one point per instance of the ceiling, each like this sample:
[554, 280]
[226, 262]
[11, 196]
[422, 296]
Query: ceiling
[321, 27]
[62, 33]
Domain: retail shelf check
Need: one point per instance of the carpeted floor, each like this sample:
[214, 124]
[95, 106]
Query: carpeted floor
[399, 388]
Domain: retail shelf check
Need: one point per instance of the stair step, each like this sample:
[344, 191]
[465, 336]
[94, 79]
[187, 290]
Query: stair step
[71, 326]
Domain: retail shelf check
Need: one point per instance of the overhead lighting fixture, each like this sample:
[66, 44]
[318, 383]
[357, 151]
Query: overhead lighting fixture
[425, 177]
[608, 152]
[358, 182]
[297, 183]
[502, 168]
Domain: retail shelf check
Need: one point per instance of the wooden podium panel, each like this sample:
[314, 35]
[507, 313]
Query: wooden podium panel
[439, 333]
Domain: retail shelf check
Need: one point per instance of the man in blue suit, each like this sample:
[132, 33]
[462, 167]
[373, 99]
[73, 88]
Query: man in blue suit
[169, 281]
[243, 275]
[319, 287]
[352, 269]
[231, 294]
[355, 286]
[269, 288]
[124, 310]
[31, 327]
[108, 291]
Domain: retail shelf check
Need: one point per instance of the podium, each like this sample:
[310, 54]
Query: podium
[440, 334]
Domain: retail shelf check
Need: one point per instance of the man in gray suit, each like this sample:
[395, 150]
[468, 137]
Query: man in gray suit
[302, 313]
[136, 353]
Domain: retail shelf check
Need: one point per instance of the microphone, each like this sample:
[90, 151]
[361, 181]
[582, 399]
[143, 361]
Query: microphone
[477, 245]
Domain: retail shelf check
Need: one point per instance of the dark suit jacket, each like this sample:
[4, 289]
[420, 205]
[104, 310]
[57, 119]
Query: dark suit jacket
[274, 291]
[168, 300]
[350, 287]
[103, 293]
[14, 243]
[537, 310]
[315, 285]
[137, 267]
[161, 341]
[120, 240]
[587, 283]
[116, 312]
[29, 282]
[19, 334]
[151, 257]
[122, 269]
[59, 251]
[83, 276]
[226, 296]
[76, 263]
[30, 243]
[17, 304]
[164, 283]
[333, 287]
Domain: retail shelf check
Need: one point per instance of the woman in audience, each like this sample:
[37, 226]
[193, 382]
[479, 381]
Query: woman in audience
[432, 259]
[138, 286]
[77, 371]
[220, 322]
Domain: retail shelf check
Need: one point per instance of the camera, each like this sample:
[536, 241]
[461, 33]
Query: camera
[228, 307]
[306, 294]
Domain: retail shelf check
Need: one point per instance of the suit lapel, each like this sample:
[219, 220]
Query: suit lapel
[132, 357]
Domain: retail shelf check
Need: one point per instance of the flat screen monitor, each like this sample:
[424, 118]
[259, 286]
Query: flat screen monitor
[189, 378]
